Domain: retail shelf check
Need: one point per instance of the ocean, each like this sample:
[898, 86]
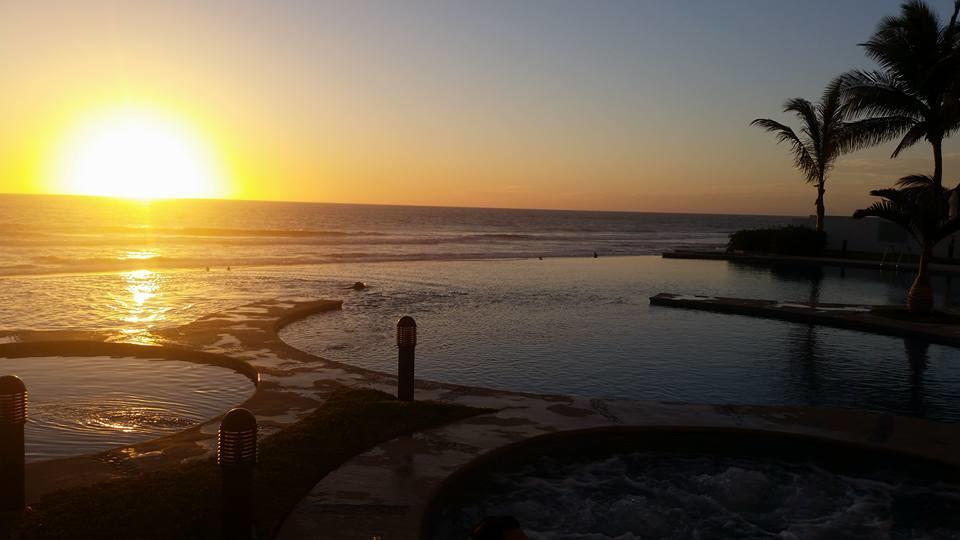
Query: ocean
[61, 234]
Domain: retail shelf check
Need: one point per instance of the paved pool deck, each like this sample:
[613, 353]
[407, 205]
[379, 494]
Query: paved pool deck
[866, 318]
[385, 490]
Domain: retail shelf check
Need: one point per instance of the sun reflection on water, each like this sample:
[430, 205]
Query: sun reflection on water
[139, 255]
[139, 306]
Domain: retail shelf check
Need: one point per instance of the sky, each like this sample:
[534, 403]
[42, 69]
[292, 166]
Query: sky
[604, 105]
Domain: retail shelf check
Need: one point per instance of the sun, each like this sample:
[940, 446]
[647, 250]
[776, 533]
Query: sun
[138, 153]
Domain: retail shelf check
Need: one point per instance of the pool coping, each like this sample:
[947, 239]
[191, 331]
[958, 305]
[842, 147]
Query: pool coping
[82, 348]
[769, 259]
[391, 485]
[847, 316]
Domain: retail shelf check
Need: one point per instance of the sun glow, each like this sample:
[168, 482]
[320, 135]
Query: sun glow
[138, 153]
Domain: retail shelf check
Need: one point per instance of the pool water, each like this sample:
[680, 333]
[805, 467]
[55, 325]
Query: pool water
[638, 495]
[585, 327]
[83, 405]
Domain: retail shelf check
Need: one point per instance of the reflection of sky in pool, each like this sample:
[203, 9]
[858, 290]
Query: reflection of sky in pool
[90, 404]
[652, 495]
[585, 326]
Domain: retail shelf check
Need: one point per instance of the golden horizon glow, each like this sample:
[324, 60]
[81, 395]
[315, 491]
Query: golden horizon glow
[135, 152]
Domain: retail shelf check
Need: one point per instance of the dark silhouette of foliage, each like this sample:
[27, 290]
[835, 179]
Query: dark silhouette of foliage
[915, 95]
[921, 206]
[789, 240]
[822, 138]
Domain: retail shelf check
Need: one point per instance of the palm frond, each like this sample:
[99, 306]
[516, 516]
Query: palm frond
[922, 181]
[803, 159]
[913, 135]
[901, 198]
[950, 35]
[907, 44]
[808, 114]
[872, 131]
[879, 93]
[888, 211]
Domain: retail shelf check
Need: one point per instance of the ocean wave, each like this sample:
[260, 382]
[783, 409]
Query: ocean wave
[16, 229]
[54, 264]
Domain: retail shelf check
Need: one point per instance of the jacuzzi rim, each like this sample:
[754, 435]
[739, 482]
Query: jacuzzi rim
[74, 348]
[517, 452]
[48, 349]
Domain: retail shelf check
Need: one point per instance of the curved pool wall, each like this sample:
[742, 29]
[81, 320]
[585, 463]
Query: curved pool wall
[585, 327]
[674, 482]
[82, 402]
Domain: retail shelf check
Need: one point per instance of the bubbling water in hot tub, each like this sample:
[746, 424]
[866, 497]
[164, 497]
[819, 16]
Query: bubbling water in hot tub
[669, 496]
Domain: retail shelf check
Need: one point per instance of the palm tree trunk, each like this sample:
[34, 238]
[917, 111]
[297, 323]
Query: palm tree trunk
[937, 160]
[920, 297]
[820, 208]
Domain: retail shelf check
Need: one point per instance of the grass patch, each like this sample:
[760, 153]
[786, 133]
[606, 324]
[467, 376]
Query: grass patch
[185, 502]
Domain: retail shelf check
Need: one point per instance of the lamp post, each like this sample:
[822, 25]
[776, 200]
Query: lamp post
[406, 343]
[237, 456]
[13, 416]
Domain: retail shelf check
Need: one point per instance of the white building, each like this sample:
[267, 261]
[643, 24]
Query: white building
[873, 235]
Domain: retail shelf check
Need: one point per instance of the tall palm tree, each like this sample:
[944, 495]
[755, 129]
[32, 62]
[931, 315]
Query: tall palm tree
[916, 93]
[821, 140]
[921, 206]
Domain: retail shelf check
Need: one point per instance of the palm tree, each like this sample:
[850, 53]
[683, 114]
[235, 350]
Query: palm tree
[916, 93]
[921, 206]
[821, 141]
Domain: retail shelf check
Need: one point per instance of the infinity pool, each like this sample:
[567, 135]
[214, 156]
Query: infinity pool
[585, 327]
[82, 405]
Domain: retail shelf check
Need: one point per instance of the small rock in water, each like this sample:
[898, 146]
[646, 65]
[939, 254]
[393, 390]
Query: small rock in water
[359, 286]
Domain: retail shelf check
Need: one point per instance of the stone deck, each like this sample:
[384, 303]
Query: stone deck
[385, 490]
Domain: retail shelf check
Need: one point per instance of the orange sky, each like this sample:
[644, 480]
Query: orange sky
[538, 106]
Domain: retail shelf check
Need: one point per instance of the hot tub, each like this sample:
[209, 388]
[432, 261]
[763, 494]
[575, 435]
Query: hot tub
[87, 404]
[630, 484]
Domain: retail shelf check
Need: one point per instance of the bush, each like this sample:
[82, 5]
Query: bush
[789, 240]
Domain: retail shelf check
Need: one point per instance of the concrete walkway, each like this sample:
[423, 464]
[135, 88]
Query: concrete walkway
[384, 491]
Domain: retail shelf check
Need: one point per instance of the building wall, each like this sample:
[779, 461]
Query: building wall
[874, 235]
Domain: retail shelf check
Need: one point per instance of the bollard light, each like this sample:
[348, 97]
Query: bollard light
[237, 439]
[237, 456]
[13, 400]
[13, 416]
[406, 344]
[406, 332]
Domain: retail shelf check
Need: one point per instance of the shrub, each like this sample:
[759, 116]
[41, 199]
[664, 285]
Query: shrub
[789, 240]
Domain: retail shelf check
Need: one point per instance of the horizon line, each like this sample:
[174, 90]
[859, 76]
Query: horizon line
[284, 201]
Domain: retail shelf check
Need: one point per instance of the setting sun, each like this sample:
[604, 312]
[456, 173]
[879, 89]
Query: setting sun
[135, 152]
